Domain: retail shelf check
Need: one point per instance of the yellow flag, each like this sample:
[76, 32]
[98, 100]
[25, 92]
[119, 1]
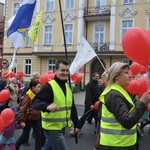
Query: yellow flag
[34, 30]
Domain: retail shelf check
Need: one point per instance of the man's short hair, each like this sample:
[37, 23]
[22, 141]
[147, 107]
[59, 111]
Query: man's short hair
[61, 61]
[94, 73]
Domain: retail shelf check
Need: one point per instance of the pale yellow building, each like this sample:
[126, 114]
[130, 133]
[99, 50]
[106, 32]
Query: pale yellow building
[101, 22]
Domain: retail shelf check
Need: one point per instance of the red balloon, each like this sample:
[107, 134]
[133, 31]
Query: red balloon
[133, 87]
[51, 76]
[8, 116]
[4, 95]
[78, 78]
[135, 68]
[12, 74]
[1, 124]
[5, 75]
[50, 72]
[44, 78]
[144, 83]
[20, 74]
[143, 70]
[73, 77]
[96, 105]
[136, 44]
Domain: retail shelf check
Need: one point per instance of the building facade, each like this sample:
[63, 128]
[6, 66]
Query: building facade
[2, 20]
[101, 22]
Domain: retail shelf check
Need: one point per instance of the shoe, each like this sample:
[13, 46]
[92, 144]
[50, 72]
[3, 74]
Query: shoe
[26, 144]
[142, 135]
[81, 132]
[73, 133]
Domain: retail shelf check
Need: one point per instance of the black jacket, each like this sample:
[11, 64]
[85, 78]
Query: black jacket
[2, 84]
[92, 93]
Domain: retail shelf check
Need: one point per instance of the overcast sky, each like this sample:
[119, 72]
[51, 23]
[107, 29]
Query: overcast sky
[2, 1]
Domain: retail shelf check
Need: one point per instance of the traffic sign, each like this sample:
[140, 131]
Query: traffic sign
[5, 63]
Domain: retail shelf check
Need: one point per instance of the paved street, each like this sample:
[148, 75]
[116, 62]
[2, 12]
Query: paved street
[87, 139]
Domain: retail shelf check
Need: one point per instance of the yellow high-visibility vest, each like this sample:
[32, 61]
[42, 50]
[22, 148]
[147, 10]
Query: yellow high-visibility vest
[112, 133]
[59, 119]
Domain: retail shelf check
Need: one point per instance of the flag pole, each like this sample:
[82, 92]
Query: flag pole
[17, 50]
[101, 63]
[62, 23]
[63, 30]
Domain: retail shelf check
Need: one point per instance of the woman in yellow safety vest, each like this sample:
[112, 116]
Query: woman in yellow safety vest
[120, 114]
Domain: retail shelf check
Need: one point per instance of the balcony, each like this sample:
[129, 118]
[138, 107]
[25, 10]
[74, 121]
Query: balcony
[98, 13]
[103, 49]
[100, 47]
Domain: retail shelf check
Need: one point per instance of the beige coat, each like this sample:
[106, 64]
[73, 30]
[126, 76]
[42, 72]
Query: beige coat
[13, 94]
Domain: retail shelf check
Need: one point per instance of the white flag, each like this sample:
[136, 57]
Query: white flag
[13, 62]
[16, 37]
[84, 54]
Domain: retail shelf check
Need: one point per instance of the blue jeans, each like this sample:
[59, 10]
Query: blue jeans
[47, 145]
[56, 139]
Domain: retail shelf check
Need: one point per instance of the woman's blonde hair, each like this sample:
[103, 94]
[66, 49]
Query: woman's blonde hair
[115, 70]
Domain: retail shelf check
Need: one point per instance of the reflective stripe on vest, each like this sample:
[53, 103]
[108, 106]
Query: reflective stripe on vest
[59, 119]
[112, 133]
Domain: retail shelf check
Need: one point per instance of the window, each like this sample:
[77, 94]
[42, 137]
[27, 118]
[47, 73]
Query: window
[100, 3]
[126, 25]
[99, 36]
[51, 64]
[100, 6]
[28, 41]
[15, 9]
[126, 60]
[127, 1]
[48, 35]
[69, 33]
[27, 66]
[49, 5]
[69, 4]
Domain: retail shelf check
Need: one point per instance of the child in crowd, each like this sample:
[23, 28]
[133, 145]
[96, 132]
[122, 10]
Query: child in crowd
[7, 136]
